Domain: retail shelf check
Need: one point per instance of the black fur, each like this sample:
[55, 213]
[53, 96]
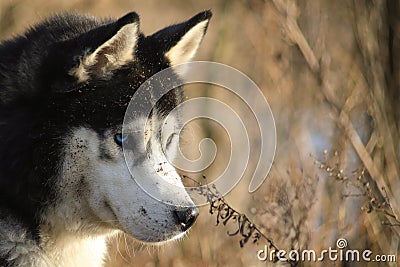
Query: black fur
[40, 101]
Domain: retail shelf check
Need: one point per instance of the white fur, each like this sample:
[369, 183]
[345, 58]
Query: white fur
[56, 249]
[96, 194]
[121, 46]
[186, 48]
[108, 200]
[97, 198]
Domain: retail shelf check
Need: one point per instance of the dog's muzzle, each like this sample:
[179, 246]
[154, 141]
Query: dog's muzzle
[186, 217]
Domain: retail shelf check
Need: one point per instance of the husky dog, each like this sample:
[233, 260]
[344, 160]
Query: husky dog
[64, 184]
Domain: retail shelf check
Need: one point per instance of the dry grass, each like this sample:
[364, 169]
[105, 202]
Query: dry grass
[330, 71]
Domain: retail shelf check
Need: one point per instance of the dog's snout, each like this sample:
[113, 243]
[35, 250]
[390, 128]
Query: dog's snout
[186, 217]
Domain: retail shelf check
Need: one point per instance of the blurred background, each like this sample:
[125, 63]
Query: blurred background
[330, 72]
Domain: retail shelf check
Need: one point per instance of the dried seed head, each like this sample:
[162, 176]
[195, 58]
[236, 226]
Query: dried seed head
[253, 210]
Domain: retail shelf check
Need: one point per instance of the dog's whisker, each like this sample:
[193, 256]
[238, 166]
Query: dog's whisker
[66, 85]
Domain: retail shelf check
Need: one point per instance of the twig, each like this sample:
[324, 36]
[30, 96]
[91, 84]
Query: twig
[226, 214]
[295, 34]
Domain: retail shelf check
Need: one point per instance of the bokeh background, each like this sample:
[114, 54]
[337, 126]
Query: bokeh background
[330, 72]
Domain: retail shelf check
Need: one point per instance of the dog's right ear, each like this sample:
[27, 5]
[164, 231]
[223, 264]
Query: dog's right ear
[180, 42]
[114, 47]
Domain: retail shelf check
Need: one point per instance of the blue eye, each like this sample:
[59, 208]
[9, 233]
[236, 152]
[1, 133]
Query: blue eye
[119, 139]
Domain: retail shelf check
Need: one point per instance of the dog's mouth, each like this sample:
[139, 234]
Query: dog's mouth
[183, 220]
[157, 230]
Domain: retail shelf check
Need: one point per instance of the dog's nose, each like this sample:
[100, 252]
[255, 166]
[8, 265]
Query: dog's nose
[186, 217]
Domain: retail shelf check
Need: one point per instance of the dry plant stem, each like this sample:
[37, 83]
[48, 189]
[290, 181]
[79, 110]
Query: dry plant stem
[227, 215]
[374, 206]
[372, 48]
[245, 228]
[288, 9]
[294, 33]
[368, 162]
[375, 228]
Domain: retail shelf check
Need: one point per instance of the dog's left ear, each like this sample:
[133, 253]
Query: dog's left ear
[181, 41]
[116, 48]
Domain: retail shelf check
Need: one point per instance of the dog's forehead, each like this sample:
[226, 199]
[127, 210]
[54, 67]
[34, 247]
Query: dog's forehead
[103, 103]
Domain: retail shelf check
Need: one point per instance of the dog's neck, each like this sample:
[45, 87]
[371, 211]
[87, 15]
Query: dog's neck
[68, 250]
[70, 242]
[54, 248]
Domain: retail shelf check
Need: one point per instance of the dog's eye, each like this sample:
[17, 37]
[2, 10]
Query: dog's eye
[169, 140]
[120, 139]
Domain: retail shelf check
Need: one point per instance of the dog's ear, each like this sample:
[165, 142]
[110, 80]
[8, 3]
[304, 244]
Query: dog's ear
[181, 41]
[115, 47]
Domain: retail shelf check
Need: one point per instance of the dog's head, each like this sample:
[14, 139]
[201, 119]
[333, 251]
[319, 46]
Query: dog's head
[84, 79]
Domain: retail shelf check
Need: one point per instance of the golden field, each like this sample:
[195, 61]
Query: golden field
[330, 72]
